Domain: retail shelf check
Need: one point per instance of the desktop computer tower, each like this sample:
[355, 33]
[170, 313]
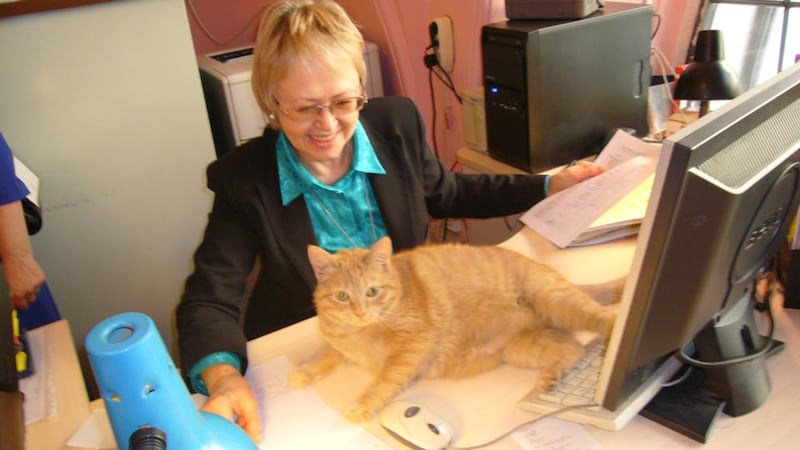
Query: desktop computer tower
[555, 90]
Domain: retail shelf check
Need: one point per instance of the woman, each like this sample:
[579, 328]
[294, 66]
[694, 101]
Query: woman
[333, 168]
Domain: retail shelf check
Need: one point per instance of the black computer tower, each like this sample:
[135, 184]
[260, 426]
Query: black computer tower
[555, 90]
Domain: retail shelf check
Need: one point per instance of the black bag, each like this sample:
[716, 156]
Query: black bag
[33, 216]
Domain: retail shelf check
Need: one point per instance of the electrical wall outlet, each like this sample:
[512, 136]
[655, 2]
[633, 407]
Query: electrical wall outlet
[441, 31]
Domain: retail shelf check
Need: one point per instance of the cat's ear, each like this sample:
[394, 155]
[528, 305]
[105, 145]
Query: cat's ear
[381, 252]
[320, 260]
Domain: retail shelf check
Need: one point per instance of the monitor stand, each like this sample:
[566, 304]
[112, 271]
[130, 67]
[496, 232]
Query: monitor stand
[692, 406]
[688, 407]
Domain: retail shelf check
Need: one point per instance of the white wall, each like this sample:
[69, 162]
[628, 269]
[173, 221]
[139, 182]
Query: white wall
[104, 104]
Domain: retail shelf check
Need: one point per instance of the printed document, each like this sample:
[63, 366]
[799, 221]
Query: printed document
[608, 206]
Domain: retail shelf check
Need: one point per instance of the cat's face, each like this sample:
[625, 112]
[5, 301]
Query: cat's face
[354, 287]
[357, 299]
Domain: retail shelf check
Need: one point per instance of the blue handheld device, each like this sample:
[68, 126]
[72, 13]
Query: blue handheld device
[141, 387]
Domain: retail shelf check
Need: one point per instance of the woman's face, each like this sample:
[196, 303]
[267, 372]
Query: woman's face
[322, 136]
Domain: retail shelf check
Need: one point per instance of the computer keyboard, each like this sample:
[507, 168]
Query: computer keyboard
[577, 387]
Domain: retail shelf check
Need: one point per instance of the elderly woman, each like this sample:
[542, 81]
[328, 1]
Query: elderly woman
[333, 168]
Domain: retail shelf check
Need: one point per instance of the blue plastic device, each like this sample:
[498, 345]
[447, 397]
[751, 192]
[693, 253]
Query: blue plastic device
[141, 386]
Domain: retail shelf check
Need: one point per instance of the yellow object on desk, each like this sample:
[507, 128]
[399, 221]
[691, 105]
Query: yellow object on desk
[21, 355]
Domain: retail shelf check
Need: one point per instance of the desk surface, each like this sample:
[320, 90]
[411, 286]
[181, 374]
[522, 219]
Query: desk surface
[482, 416]
[481, 408]
[70, 405]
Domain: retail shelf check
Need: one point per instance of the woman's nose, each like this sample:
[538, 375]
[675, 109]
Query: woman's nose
[325, 118]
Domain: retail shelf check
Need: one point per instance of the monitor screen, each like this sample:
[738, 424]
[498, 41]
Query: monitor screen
[724, 196]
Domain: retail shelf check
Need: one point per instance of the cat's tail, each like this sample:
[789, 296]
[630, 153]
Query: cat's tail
[607, 293]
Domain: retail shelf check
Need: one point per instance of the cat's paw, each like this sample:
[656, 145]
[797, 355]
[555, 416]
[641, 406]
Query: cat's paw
[299, 378]
[545, 383]
[357, 412]
[608, 318]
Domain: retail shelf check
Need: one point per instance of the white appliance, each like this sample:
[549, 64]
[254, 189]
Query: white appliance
[232, 109]
[550, 9]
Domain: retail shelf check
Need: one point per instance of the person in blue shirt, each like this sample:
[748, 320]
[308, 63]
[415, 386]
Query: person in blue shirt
[23, 275]
[333, 168]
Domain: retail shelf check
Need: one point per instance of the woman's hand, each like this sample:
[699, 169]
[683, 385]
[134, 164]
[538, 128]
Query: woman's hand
[572, 175]
[23, 274]
[24, 277]
[230, 396]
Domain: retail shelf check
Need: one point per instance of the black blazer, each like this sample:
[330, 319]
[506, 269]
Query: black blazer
[248, 222]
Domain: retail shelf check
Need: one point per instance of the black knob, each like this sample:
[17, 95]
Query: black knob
[148, 438]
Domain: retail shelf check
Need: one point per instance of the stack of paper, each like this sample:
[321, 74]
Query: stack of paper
[609, 206]
[29, 178]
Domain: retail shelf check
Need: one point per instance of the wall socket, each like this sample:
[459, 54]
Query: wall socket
[441, 32]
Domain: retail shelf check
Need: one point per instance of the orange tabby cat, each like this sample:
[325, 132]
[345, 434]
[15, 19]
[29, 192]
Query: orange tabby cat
[443, 310]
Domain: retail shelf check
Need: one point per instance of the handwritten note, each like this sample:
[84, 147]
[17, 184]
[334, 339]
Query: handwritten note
[555, 434]
[39, 401]
[587, 210]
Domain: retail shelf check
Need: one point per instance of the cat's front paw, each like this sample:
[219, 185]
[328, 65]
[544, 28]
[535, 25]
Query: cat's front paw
[545, 383]
[607, 320]
[300, 378]
[357, 412]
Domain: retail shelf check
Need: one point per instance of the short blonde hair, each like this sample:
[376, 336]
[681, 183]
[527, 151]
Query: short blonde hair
[301, 32]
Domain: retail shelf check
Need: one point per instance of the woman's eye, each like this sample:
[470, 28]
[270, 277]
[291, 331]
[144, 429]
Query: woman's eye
[311, 109]
[372, 292]
[343, 103]
[342, 296]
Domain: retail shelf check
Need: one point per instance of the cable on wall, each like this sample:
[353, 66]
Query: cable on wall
[207, 32]
[435, 69]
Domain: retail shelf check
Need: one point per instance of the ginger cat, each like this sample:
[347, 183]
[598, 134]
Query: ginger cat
[443, 311]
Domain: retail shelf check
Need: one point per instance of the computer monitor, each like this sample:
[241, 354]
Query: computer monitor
[725, 194]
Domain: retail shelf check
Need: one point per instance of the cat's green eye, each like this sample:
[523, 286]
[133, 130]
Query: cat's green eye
[342, 296]
[371, 292]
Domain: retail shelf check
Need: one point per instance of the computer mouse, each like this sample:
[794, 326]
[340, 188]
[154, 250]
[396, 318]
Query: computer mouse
[416, 425]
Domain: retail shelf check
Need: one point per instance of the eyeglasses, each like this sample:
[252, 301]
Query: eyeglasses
[338, 108]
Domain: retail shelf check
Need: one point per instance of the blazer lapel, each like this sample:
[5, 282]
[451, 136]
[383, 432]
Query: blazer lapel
[390, 192]
[291, 224]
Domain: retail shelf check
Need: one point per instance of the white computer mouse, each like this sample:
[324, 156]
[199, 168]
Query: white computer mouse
[416, 425]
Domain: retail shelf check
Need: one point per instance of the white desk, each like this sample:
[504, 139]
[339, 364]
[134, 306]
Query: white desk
[482, 407]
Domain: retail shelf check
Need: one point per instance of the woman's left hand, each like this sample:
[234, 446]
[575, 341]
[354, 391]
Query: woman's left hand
[572, 175]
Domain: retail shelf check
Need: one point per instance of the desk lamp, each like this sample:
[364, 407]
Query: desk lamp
[708, 77]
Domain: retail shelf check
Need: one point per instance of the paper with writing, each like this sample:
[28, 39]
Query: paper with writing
[587, 211]
[555, 434]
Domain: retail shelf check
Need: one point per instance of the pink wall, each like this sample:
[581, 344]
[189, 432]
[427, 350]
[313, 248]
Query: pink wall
[400, 29]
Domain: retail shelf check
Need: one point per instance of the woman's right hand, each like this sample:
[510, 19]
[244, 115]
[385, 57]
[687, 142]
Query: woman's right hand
[231, 397]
